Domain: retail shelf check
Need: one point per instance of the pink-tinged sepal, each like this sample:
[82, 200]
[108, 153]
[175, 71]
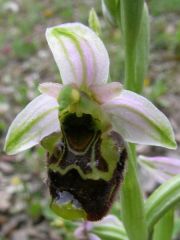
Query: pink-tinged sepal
[162, 168]
[35, 122]
[139, 121]
[106, 226]
[106, 92]
[51, 89]
[81, 56]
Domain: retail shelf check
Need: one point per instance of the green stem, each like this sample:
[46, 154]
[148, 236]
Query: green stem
[132, 200]
[130, 69]
[133, 213]
[131, 17]
[142, 51]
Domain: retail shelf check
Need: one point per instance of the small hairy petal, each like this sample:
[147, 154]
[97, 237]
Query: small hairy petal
[162, 168]
[106, 92]
[79, 53]
[139, 121]
[38, 120]
[51, 89]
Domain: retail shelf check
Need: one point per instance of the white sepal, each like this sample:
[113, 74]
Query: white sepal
[139, 121]
[81, 56]
[36, 121]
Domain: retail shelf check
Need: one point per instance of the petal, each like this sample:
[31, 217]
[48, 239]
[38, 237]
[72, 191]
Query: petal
[139, 121]
[106, 92]
[162, 168]
[79, 53]
[51, 89]
[92, 236]
[109, 219]
[83, 228]
[38, 120]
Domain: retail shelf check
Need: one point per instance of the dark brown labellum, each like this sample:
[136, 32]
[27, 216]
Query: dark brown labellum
[80, 177]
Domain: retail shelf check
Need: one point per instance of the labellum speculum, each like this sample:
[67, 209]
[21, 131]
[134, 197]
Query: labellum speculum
[86, 165]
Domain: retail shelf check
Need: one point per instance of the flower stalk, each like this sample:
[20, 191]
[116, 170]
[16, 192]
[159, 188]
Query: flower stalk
[131, 15]
[142, 51]
[110, 11]
[131, 195]
[132, 200]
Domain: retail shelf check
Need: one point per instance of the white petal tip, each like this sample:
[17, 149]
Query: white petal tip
[80, 54]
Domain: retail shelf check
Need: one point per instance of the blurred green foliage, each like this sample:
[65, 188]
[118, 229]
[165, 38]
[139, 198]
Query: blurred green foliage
[177, 227]
[23, 49]
[162, 6]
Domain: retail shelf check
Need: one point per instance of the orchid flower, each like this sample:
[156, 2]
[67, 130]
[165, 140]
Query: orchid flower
[162, 168]
[83, 123]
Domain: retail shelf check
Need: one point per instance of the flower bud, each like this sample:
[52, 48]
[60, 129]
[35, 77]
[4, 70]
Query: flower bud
[94, 22]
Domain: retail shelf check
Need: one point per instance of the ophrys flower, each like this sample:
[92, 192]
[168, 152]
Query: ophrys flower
[83, 123]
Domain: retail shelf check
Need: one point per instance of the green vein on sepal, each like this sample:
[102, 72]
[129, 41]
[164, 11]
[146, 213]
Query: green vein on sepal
[57, 32]
[15, 135]
[165, 132]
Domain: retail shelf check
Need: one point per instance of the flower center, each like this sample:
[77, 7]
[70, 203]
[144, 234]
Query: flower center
[79, 131]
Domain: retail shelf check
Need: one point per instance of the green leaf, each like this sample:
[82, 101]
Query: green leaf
[162, 200]
[164, 228]
[110, 231]
[111, 11]
[107, 235]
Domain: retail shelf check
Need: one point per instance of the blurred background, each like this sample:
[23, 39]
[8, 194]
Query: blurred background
[26, 61]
